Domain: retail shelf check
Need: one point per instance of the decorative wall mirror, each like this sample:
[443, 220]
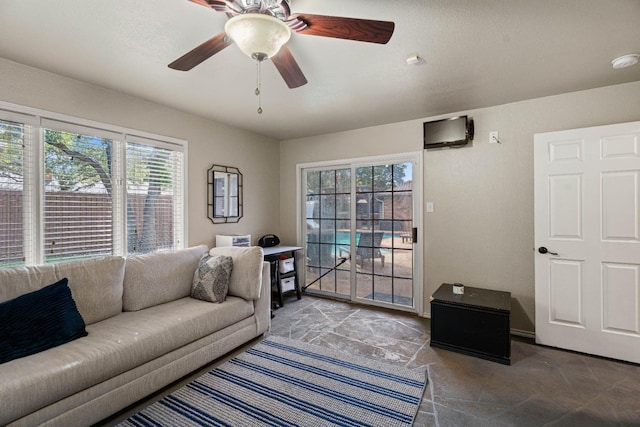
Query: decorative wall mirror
[224, 194]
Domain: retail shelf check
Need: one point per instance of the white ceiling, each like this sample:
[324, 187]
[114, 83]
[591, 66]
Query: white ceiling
[476, 53]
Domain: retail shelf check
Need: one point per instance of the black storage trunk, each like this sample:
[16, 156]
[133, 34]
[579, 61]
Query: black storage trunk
[474, 323]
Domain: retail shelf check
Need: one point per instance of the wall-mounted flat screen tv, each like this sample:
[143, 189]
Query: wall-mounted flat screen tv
[455, 131]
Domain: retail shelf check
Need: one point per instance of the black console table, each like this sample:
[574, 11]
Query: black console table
[273, 255]
[474, 323]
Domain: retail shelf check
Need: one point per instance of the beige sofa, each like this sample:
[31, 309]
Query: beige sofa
[144, 332]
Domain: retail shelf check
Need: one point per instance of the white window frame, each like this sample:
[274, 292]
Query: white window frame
[38, 120]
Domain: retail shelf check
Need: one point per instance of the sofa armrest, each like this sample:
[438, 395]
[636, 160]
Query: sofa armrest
[262, 305]
[246, 275]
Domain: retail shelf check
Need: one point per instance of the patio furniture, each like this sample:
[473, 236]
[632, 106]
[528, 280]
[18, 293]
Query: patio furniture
[368, 247]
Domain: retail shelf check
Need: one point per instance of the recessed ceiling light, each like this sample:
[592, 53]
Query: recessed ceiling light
[625, 60]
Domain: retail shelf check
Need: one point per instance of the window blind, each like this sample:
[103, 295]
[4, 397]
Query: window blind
[154, 194]
[74, 191]
[78, 195]
[16, 227]
[11, 193]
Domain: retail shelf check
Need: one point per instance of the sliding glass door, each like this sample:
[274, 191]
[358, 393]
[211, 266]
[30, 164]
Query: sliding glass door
[358, 227]
[384, 246]
[328, 224]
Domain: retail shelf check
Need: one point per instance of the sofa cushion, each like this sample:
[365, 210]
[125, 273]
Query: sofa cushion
[113, 346]
[39, 320]
[96, 284]
[211, 279]
[160, 277]
[246, 276]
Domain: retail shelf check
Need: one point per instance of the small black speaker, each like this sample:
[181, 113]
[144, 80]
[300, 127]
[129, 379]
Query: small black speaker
[268, 240]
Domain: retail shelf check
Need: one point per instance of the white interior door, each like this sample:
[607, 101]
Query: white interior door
[587, 220]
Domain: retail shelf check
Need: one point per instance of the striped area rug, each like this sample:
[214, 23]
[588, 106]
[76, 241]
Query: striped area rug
[282, 382]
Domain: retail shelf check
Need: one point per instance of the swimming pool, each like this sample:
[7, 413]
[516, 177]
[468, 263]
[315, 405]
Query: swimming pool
[343, 237]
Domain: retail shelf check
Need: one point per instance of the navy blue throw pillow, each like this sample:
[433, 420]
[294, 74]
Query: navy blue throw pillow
[38, 321]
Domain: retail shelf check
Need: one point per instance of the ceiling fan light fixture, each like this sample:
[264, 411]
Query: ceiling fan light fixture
[259, 36]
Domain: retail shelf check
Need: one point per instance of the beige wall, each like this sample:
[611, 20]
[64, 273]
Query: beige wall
[208, 142]
[481, 231]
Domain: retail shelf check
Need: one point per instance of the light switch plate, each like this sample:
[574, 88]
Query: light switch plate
[493, 137]
[429, 207]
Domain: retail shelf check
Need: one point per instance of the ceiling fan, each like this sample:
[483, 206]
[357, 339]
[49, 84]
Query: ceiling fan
[261, 28]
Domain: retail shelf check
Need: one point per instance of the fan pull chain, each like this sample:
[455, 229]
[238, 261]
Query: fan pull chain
[258, 87]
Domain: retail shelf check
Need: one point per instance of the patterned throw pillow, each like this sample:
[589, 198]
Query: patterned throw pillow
[211, 279]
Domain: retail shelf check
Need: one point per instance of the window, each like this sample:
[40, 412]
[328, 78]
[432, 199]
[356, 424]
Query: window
[97, 192]
[78, 196]
[14, 160]
[154, 194]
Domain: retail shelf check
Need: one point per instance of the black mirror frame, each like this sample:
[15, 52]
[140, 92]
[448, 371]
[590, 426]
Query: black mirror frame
[211, 196]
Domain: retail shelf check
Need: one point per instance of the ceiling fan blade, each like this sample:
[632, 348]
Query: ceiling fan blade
[202, 3]
[288, 68]
[219, 5]
[363, 30]
[201, 53]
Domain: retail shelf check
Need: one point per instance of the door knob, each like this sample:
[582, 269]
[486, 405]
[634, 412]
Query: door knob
[544, 250]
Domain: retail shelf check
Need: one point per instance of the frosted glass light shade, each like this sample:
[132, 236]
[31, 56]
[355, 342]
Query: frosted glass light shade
[257, 35]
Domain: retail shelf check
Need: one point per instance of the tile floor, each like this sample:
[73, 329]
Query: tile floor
[542, 387]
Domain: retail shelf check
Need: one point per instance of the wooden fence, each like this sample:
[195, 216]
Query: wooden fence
[78, 223]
